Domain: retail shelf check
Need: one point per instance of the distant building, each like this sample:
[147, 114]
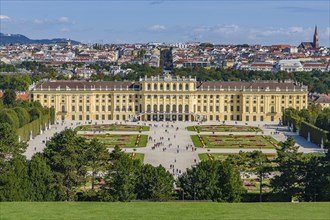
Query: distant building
[310, 66]
[288, 66]
[261, 66]
[322, 99]
[311, 45]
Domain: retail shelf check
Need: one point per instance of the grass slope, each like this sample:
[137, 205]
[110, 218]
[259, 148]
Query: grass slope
[167, 210]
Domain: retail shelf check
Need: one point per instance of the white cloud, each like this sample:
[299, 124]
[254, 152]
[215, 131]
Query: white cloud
[157, 28]
[226, 29]
[63, 20]
[60, 20]
[4, 18]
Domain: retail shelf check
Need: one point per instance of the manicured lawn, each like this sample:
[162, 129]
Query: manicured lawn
[223, 156]
[137, 156]
[122, 140]
[223, 128]
[112, 127]
[164, 210]
[234, 141]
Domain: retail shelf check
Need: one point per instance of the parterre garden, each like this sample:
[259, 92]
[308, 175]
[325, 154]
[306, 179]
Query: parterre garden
[223, 156]
[252, 185]
[234, 141]
[112, 127]
[223, 128]
[122, 140]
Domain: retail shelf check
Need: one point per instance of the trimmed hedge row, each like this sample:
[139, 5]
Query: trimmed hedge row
[34, 126]
[316, 134]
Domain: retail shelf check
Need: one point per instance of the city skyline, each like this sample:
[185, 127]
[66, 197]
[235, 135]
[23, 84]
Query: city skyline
[222, 22]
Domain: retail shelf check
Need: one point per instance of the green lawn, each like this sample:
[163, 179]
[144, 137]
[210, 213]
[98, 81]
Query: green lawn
[223, 156]
[165, 210]
[122, 140]
[137, 156]
[112, 127]
[234, 141]
[223, 128]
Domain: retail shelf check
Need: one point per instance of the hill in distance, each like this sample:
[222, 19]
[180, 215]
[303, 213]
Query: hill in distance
[21, 39]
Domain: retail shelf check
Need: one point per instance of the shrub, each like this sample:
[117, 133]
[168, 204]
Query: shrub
[23, 116]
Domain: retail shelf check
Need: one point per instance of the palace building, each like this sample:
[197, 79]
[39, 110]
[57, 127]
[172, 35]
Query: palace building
[170, 98]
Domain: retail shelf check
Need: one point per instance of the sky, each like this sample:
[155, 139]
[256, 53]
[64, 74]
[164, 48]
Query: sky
[263, 22]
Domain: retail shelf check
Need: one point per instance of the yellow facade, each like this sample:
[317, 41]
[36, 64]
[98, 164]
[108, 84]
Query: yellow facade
[170, 98]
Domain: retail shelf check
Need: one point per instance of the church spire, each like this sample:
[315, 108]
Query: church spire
[316, 39]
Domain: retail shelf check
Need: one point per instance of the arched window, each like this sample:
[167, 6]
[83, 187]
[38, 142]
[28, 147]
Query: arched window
[161, 86]
[186, 108]
[174, 86]
[167, 86]
[155, 108]
[174, 108]
[161, 108]
[149, 86]
[180, 86]
[187, 86]
[63, 108]
[168, 108]
[148, 108]
[180, 108]
[155, 86]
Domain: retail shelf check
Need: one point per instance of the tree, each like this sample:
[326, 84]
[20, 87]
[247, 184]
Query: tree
[316, 180]
[66, 153]
[97, 157]
[14, 181]
[154, 183]
[254, 162]
[9, 145]
[9, 97]
[120, 179]
[289, 180]
[41, 179]
[212, 180]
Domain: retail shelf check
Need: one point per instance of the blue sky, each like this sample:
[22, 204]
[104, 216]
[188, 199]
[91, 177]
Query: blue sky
[218, 21]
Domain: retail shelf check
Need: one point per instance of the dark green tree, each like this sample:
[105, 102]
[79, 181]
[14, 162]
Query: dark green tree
[212, 180]
[9, 145]
[97, 156]
[121, 178]
[154, 183]
[66, 155]
[14, 180]
[41, 179]
[9, 98]
[316, 180]
[289, 180]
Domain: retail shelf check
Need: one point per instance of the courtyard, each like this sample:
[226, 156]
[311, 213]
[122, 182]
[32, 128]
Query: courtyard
[176, 148]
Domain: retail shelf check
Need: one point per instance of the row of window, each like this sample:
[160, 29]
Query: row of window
[168, 86]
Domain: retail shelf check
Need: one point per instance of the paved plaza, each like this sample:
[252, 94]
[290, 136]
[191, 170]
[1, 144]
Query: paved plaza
[170, 144]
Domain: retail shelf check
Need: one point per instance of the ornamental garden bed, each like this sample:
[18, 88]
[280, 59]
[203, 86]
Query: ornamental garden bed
[122, 140]
[223, 128]
[112, 127]
[234, 141]
[223, 156]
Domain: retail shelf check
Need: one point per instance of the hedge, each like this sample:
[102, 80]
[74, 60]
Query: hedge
[316, 134]
[34, 126]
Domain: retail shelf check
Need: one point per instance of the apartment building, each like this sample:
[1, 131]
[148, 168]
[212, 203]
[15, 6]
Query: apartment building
[170, 98]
